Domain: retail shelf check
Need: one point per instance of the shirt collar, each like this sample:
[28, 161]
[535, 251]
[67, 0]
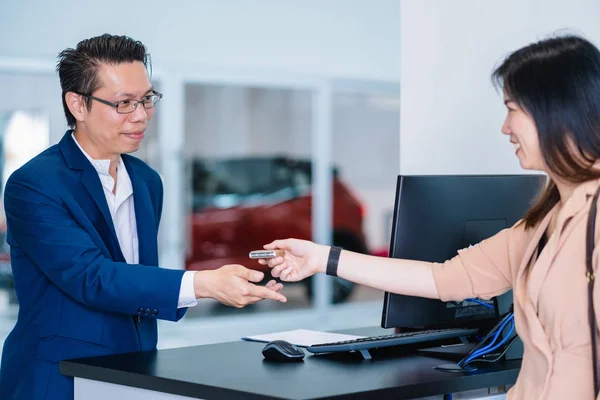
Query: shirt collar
[124, 187]
[580, 197]
[101, 166]
[578, 200]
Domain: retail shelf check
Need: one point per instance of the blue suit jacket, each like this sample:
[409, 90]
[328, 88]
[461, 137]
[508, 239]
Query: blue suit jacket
[77, 295]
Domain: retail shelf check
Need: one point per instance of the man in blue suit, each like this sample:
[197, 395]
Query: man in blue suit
[83, 219]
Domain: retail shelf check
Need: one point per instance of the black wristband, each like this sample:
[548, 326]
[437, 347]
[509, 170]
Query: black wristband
[332, 260]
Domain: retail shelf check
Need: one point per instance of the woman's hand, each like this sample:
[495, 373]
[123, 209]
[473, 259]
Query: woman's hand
[301, 259]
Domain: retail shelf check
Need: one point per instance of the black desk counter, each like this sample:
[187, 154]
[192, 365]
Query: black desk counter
[237, 370]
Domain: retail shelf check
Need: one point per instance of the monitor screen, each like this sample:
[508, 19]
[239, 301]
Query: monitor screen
[437, 215]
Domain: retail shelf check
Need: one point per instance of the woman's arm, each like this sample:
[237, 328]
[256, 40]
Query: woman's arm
[413, 278]
[480, 271]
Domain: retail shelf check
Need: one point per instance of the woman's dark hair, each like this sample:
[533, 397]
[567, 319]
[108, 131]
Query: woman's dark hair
[78, 68]
[557, 82]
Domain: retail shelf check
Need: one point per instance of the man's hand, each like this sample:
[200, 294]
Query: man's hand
[232, 285]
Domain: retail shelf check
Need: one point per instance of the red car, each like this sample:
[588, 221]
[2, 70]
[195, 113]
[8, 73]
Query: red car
[238, 205]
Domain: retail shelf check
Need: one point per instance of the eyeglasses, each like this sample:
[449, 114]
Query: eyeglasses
[129, 106]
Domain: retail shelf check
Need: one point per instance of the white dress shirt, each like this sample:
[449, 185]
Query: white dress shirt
[122, 211]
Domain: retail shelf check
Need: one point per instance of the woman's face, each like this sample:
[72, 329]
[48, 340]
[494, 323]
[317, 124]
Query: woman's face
[522, 133]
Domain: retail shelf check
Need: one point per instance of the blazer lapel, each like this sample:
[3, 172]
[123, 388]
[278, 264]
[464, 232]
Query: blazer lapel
[75, 159]
[144, 216]
[90, 180]
[528, 258]
[521, 288]
[571, 214]
[530, 280]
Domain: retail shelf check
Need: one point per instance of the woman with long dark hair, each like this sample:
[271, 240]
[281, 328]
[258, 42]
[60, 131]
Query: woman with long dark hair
[552, 94]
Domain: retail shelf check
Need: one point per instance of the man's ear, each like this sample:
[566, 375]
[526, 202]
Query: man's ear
[77, 106]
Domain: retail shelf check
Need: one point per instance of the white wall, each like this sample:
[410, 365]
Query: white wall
[232, 121]
[338, 38]
[450, 114]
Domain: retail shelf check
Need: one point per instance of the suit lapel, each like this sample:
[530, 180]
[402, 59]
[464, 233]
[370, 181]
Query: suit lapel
[91, 181]
[569, 217]
[529, 282]
[144, 216]
[571, 214]
[521, 288]
[76, 160]
[529, 257]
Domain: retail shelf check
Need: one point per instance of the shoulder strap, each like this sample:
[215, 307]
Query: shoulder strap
[590, 241]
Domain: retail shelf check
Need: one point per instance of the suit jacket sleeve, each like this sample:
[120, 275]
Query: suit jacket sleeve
[66, 254]
[181, 311]
[480, 271]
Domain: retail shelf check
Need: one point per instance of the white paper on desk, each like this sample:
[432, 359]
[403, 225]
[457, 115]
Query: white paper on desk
[302, 337]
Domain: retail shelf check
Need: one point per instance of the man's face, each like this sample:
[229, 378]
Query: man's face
[107, 132]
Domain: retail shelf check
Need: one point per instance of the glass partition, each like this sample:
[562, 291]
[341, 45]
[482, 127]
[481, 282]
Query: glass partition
[248, 175]
[366, 138]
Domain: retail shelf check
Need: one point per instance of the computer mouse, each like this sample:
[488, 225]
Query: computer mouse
[280, 350]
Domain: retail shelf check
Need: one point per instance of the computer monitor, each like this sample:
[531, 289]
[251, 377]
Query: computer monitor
[434, 217]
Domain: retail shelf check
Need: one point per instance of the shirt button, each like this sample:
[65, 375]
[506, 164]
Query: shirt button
[155, 312]
[148, 312]
[140, 310]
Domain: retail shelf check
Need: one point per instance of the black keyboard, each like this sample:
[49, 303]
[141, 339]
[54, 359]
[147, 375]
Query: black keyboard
[397, 339]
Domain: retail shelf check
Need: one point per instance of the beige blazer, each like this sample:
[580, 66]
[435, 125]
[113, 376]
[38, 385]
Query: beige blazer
[550, 300]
